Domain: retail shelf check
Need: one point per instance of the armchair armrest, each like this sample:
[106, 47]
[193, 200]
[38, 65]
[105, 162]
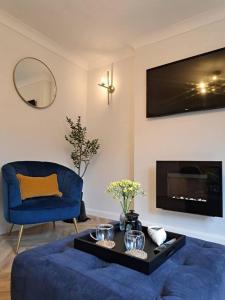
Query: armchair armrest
[71, 185]
[11, 190]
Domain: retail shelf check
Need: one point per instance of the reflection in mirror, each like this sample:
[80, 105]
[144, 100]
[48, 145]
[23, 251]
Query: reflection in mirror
[34, 82]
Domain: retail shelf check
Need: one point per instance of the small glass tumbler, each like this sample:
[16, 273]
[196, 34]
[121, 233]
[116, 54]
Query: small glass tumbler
[104, 232]
[134, 240]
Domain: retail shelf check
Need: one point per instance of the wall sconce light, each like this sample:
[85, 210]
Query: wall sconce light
[108, 83]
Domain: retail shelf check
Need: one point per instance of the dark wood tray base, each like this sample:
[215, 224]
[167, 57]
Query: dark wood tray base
[117, 254]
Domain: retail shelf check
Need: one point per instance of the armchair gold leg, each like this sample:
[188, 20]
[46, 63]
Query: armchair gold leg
[54, 224]
[11, 228]
[19, 238]
[75, 225]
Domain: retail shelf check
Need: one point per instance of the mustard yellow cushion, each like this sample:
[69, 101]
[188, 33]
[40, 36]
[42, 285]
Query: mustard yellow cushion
[38, 186]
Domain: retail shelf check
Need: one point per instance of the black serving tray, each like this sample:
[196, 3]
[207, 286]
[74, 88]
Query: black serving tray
[117, 254]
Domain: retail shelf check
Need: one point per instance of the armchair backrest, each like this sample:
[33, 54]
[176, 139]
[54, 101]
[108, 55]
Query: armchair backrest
[70, 184]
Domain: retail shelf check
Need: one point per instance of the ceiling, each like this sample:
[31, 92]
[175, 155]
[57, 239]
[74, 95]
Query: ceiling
[106, 30]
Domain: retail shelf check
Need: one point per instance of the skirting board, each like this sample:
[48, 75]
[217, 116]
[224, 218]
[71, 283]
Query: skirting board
[103, 214]
[200, 235]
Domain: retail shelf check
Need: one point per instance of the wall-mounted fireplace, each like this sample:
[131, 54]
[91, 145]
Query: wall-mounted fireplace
[190, 186]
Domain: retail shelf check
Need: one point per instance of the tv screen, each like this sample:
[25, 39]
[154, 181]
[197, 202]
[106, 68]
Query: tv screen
[191, 84]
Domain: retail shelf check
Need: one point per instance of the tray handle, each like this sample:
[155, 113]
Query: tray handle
[171, 252]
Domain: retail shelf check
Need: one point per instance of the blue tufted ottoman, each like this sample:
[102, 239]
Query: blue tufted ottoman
[58, 272]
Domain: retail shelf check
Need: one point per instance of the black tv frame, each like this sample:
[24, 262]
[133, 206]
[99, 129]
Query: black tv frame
[150, 115]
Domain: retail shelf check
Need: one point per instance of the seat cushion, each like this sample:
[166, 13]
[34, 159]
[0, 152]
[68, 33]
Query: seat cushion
[44, 209]
[195, 272]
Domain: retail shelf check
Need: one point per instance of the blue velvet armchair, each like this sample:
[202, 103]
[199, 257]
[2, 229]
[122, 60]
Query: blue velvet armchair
[40, 209]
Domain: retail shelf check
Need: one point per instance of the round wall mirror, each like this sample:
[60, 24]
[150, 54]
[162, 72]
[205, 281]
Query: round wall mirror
[34, 82]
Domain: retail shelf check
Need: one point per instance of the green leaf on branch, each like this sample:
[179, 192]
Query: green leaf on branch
[83, 148]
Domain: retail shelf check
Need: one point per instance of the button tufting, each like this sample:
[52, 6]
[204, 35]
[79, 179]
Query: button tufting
[164, 292]
[186, 263]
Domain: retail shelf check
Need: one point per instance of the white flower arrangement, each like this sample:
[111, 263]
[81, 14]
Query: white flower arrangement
[124, 191]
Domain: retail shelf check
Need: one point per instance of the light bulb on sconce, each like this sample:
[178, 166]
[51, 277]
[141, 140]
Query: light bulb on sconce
[103, 81]
[108, 83]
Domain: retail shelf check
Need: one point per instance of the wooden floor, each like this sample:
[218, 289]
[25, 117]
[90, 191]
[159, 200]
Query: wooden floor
[32, 237]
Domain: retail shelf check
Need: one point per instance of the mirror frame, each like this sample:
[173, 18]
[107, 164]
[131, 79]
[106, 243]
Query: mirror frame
[14, 82]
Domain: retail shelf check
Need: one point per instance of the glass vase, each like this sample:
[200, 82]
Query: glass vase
[122, 221]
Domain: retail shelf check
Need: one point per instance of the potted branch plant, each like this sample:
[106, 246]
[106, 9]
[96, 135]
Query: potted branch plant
[83, 150]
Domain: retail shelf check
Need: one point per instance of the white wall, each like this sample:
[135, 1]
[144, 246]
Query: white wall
[36, 134]
[130, 143]
[113, 125]
[194, 136]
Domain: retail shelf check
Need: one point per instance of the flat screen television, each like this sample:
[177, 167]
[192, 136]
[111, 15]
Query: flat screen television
[191, 84]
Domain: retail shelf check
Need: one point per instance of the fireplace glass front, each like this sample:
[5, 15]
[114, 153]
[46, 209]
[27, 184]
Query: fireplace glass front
[187, 186]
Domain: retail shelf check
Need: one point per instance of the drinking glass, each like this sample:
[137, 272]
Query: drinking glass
[134, 240]
[104, 232]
